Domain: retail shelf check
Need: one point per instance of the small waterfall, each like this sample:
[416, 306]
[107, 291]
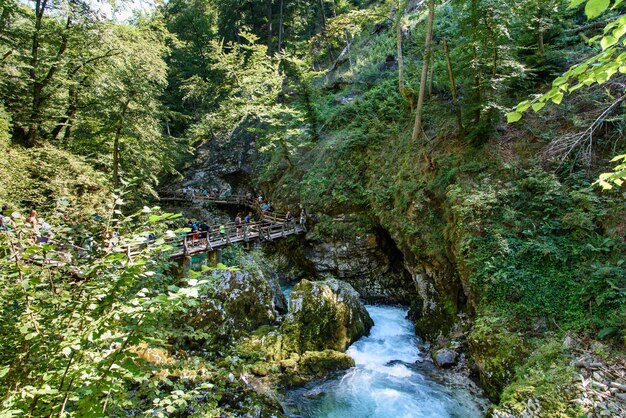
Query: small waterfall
[385, 383]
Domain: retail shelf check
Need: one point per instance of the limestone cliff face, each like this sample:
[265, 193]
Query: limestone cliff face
[375, 271]
[223, 166]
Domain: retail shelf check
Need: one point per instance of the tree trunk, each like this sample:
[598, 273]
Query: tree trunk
[399, 14]
[40, 8]
[330, 49]
[280, 26]
[38, 86]
[477, 81]
[406, 93]
[541, 29]
[116, 146]
[455, 99]
[270, 17]
[431, 74]
[417, 129]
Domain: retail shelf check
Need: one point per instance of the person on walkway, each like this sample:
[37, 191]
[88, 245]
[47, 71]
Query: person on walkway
[260, 199]
[222, 232]
[35, 223]
[204, 229]
[112, 239]
[265, 208]
[45, 231]
[302, 217]
[238, 224]
[150, 236]
[5, 215]
[3, 226]
[192, 235]
[289, 217]
[248, 218]
[184, 192]
[32, 220]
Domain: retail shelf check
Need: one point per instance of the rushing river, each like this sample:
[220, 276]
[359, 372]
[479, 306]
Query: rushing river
[385, 382]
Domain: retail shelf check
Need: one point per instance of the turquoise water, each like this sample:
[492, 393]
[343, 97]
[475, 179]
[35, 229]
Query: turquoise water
[385, 382]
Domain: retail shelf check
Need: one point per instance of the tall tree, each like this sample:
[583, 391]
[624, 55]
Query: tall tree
[126, 115]
[397, 9]
[417, 129]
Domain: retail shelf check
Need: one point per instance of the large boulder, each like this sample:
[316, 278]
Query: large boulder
[242, 300]
[325, 315]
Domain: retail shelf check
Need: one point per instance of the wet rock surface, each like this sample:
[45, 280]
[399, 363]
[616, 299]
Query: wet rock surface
[445, 358]
[369, 262]
[240, 300]
[325, 315]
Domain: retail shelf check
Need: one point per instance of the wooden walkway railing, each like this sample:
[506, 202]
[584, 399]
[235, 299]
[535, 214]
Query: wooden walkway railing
[201, 242]
[236, 200]
[272, 226]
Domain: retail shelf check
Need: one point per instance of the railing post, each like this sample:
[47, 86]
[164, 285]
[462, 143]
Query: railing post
[185, 251]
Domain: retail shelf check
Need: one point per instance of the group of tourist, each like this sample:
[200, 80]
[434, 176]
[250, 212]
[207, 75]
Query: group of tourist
[200, 231]
[192, 192]
[41, 229]
[290, 219]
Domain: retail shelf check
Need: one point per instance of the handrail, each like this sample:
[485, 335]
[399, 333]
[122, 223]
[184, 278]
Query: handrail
[236, 199]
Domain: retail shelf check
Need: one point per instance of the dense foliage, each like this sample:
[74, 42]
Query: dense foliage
[328, 93]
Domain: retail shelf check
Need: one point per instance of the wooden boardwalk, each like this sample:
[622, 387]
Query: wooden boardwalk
[272, 226]
[202, 242]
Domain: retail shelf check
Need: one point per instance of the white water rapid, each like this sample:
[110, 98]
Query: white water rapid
[385, 382]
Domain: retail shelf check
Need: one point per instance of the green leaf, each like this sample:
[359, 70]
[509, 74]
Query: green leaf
[513, 117]
[594, 8]
[523, 106]
[538, 106]
[575, 3]
[607, 42]
[558, 98]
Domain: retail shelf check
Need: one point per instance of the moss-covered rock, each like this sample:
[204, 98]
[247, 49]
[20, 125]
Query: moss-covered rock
[545, 385]
[240, 300]
[496, 352]
[324, 315]
[321, 363]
